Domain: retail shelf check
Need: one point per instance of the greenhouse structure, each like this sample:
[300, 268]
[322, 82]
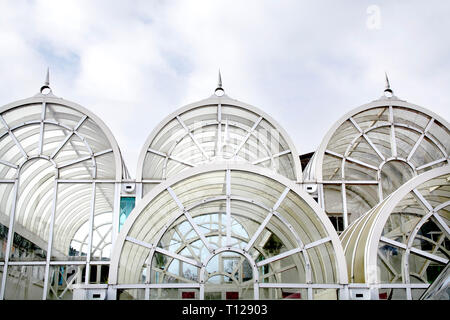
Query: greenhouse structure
[223, 205]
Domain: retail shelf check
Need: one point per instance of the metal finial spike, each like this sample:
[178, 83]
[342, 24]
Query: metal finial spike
[219, 90]
[45, 89]
[47, 78]
[388, 86]
[388, 89]
[219, 81]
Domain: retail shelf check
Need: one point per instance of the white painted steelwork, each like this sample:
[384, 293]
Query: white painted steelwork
[217, 129]
[52, 154]
[373, 150]
[213, 213]
[401, 239]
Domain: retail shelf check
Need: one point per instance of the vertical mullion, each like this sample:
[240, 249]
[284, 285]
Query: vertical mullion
[139, 188]
[50, 241]
[393, 139]
[202, 291]
[255, 279]
[219, 129]
[344, 206]
[91, 227]
[256, 290]
[408, 293]
[321, 197]
[41, 133]
[228, 206]
[147, 277]
[10, 239]
[380, 187]
[116, 213]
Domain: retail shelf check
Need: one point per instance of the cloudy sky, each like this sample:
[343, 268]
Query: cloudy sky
[306, 63]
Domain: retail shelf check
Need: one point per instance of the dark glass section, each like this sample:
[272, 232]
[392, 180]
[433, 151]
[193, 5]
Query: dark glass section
[431, 231]
[338, 223]
[433, 271]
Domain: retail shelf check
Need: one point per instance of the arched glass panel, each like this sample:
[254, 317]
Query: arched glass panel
[403, 242]
[227, 231]
[217, 129]
[59, 165]
[373, 150]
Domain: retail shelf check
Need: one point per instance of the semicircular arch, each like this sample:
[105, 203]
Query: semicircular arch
[238, 208]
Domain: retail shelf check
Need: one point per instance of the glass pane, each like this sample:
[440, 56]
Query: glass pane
[70, 234]
[24, 249]
[283, 293]
[3, 241]
[325, 294]
[126, 206]
[333, 199]
[131, 294]
[102, 228]
[174, 294]
[393, 175]
[24, 283]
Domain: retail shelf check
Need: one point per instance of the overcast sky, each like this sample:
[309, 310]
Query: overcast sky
[306, 63]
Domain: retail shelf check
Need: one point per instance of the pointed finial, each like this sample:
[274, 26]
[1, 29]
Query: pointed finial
[45, 89]
[219, 90]
[388, 86]
[388, 90]
[47, 77]
[219, 81]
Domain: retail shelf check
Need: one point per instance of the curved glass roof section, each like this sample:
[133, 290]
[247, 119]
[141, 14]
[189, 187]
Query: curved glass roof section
[217, 129]
[405, 239]
[198, 229]
[373, 150]
[58, 166]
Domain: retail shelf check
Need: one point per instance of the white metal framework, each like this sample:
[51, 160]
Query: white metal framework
[373, 150]
[60, 168]
[401, 245]
[222, 211]
[227, 228]
[213, 130]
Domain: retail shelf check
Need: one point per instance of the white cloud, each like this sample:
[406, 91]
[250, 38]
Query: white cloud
[305, 63]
